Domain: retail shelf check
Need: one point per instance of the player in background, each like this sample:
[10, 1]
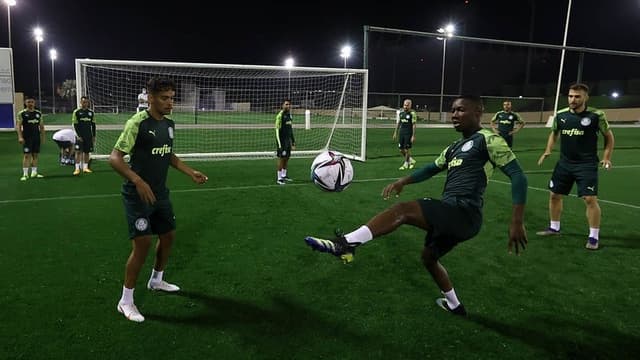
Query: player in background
[148, 138]
[66, 140]
[406, 129]
[285, 141]
[143, 100]
[85, 127]
[508, 123]
[455, 218]
[30, 129]
[578, 127]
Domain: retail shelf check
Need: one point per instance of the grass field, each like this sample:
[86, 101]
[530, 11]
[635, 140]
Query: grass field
[253, 290]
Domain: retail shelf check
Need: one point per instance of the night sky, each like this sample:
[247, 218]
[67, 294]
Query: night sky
[265, 33]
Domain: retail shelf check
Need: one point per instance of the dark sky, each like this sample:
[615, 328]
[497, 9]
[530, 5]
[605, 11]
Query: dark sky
[265, 33]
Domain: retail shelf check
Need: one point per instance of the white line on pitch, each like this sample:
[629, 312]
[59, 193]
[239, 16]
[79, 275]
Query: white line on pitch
[250, 187]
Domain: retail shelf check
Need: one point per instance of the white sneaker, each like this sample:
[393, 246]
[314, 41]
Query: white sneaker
[162, 286]
[130, 311]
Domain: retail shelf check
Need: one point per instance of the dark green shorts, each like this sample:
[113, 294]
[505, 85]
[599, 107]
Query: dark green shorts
[450, 223]
[585, 175]
[31, 145]
[86, 145]
[404, 141]
[145, 219]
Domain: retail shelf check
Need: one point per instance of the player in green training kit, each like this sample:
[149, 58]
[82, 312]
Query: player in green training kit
[30, 129]
[85, 126]
[508, 123]
[148, 138]
[285, 142]
[405, 132]
[455, 218]
[578, 127]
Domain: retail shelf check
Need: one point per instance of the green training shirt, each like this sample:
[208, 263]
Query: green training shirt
[470, 163]
[149, 142]
[30, 121]
[83, 122]
[579, 133]
[284, 129]
[506, 121]
[406, 120]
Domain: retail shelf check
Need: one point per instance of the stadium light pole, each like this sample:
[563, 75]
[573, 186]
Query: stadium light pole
[9, 3]
[39, 36]
[53, 54]
[345, 53]
[447, 31]
[288, 63]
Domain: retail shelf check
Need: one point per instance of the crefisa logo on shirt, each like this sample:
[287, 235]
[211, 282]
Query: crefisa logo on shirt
[585, 121]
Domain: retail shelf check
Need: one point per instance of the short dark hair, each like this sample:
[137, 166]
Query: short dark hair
[579, 86]
[158, 84]
[84, 97]
[475, 99]
[28, 97]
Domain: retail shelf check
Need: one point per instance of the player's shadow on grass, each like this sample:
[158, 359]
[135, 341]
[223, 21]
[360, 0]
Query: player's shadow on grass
[624, 241]
[283, 326]
[565, 338]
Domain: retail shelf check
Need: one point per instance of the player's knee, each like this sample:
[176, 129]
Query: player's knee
[555, 196]
[428, 257]
[590, 200]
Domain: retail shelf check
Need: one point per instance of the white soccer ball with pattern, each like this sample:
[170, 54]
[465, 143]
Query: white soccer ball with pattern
[331, 171]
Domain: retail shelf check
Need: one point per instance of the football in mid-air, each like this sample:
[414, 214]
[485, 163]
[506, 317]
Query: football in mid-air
[331, 171]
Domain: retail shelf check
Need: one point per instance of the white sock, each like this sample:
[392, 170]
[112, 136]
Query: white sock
[127, 296]
[278, 174]
[594, 233]
[452, 299]
[85, 166]
[77, 166]
[284, 173]
[25, 171]
[34, 169]
[555, 225]
[360, 235]
[156, 276]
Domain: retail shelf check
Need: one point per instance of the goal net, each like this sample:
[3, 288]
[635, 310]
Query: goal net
[227, 111]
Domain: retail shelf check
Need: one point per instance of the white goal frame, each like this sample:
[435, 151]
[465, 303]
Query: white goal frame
[358, 113]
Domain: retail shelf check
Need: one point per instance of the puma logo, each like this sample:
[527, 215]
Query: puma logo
[592, 188]
[152, 132]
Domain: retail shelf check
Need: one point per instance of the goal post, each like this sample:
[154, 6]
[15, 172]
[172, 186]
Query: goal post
[227, 111]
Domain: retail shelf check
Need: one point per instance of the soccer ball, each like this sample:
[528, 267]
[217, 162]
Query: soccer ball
[331, 171]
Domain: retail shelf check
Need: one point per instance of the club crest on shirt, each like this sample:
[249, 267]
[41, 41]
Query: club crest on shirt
[510, 117]
[585, 121]
[407, 116]
[170, 133]
[467, 146]
[141, 224]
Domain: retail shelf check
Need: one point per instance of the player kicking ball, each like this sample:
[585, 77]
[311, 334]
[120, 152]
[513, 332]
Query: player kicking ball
[455, 218]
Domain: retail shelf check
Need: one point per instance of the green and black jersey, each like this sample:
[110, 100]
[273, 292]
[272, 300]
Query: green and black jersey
[149, 142]
[284, 129]
[30, 121]
[470, 163]
[84, 123]
[579, 133]
[406, 120]
[506, 121]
